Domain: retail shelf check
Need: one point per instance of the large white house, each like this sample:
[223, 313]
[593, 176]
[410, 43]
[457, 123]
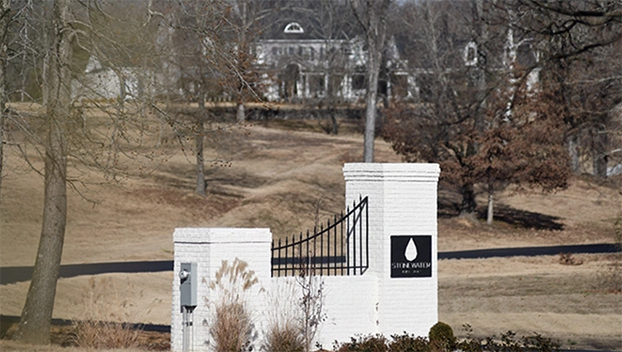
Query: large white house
[298, 66]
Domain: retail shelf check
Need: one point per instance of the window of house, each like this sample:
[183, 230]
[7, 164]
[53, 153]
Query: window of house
[293, 27]
[275, 51]
[359, 78]
[317, 85]
[358, 81]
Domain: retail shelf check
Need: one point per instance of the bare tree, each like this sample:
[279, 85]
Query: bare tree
[210, 53]
[63, 135]
[479, 118]
[449, 57]
[34, 325]
[338, 28]
[579, 45]
[372, 16]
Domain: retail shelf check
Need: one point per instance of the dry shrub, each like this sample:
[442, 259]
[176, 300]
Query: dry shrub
[104, 335]
[284, 333]
[93, 332]
[284, 338]
[232, 327]
[568, 259]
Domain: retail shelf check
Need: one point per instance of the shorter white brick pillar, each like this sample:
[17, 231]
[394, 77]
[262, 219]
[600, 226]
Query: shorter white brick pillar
[402, 207]
[208, 247]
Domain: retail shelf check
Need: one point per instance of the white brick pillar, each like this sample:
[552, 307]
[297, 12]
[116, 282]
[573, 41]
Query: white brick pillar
[208, 247]
[402, 206]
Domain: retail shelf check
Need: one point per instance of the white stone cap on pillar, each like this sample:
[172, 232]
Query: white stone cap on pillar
[221, 235]
[391, 172]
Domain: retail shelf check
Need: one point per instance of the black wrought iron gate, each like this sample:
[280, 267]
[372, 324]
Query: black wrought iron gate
[342, 248]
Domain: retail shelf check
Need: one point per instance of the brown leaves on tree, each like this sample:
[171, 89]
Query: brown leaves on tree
[519, 142]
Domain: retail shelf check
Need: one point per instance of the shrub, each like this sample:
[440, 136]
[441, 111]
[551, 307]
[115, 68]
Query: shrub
[232, 327]
[368, 343]
[103, 335]
[287, 338]
[442, 337]
[409, 343]
[102, 327]
[508, 342]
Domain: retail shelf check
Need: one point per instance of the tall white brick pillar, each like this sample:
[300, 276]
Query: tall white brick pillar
[208, 247]
[402, 206]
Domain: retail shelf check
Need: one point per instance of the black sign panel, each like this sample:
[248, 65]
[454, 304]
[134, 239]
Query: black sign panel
[411, 256]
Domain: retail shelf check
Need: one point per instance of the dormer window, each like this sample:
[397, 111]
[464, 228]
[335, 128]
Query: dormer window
[293, 27]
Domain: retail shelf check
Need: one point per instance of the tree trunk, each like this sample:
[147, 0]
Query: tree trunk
[3, 106]
[333, 120]
[490, 215]
[241, 112]
[599, 152]
[573, 150]
[4, 25]
[372, 16]
[34, 326]
[2, 122]
[467, 208]
[375, 44]
[199, 138]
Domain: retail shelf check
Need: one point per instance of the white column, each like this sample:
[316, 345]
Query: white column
[208, 247]
[402, 206]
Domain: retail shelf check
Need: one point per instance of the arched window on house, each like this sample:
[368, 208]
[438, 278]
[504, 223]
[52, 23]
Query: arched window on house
[293, 27]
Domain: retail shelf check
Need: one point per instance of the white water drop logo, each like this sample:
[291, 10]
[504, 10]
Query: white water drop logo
[411, 251]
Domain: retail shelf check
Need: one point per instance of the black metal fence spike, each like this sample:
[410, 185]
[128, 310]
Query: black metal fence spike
[346, 246]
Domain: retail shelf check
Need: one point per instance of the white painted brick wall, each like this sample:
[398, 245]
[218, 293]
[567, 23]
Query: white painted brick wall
[349, 305]
[208, 247]
[402, 201]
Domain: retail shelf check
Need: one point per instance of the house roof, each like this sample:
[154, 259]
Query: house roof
[281, 29]
[313, 21]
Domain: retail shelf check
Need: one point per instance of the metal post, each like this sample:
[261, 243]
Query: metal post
[187, 328]
[184, 327]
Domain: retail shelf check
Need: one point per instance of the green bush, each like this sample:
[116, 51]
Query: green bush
[368, 343]
[508, 342]
[442, 337]
[442, 340]
[409, 343]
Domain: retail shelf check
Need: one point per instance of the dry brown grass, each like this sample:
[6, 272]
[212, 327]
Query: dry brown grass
[103, 335]
[276, 179]
[284, 338]
[107, 318]
[13, 346]
[232, 328]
